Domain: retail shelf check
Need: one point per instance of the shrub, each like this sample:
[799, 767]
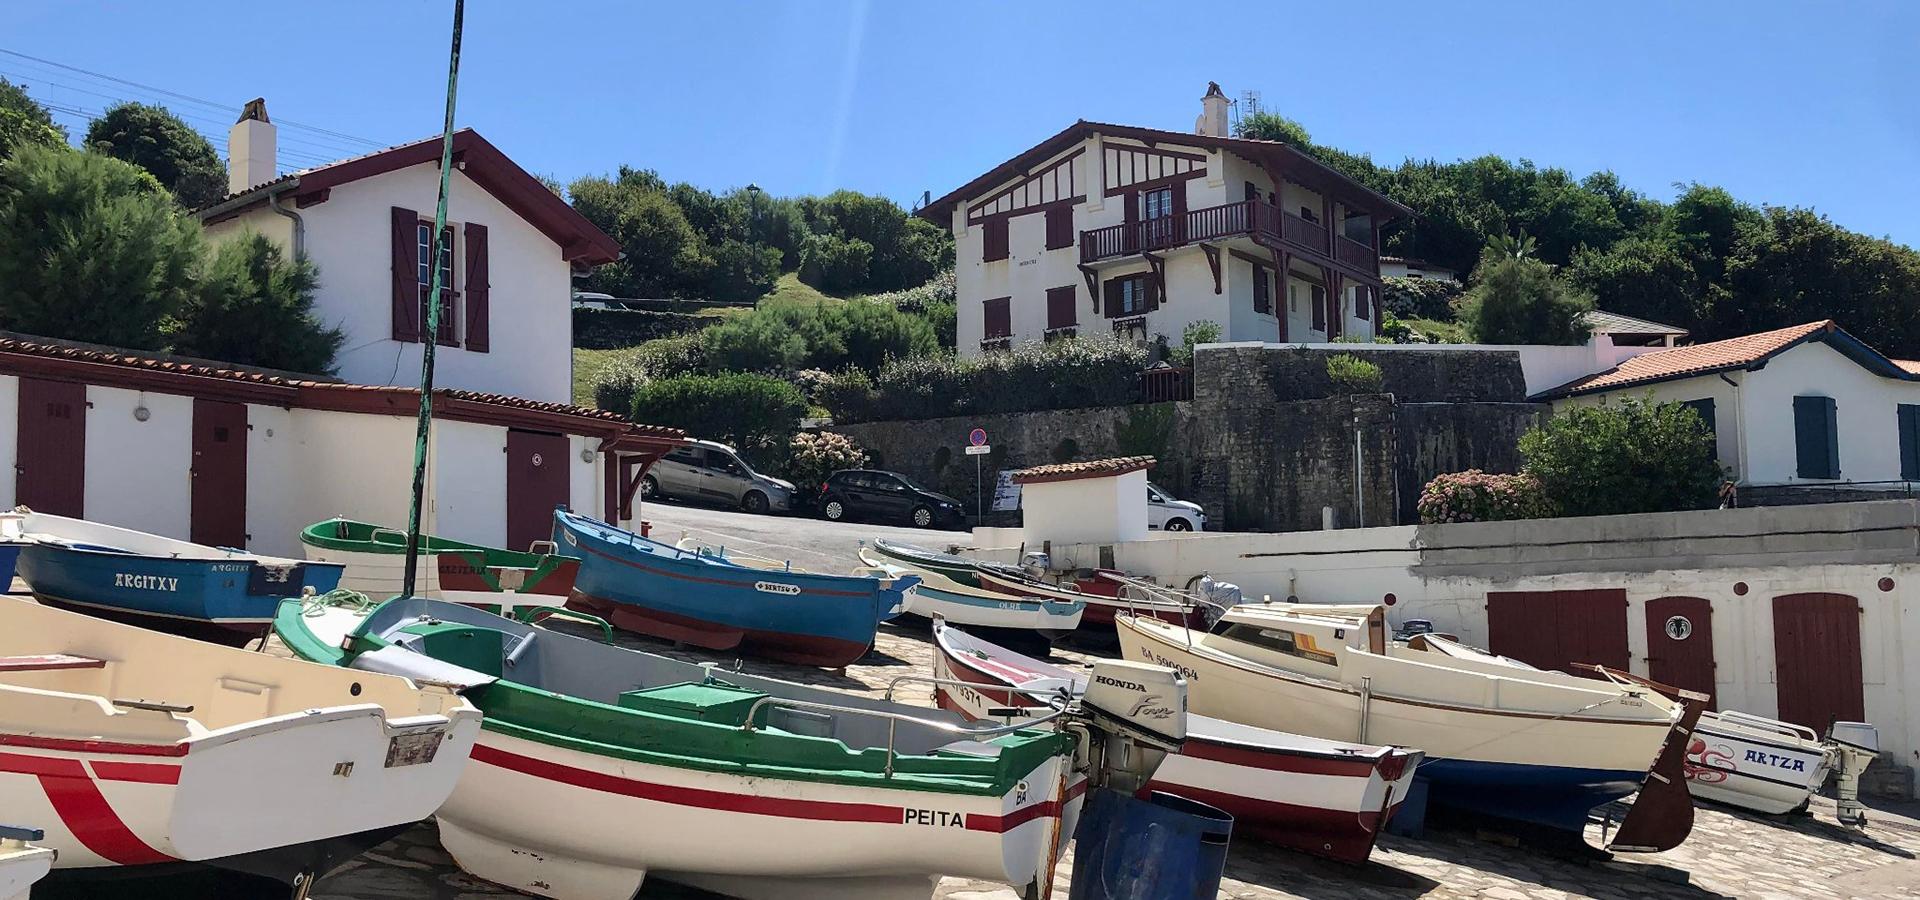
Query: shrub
[834, 264]
[754, 413]
[847, 395]
[1476, 496]
[253, 306]
[1355, 374]
[1517, 300]
[1420, 298]
[663, 358]
[1204, 331]
[1636, 456]
[784, 335]
[1061, 375]
[813, 455]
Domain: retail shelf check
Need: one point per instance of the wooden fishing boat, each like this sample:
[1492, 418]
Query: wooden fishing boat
[489, 578]
[217, 594]
[1328, 798]
[144, 755]
[649, 587]
[1538, 747]
[937, 596]
[766, 564]
[960, 569]
[600, 767]
[22, 863]
[1101, 607]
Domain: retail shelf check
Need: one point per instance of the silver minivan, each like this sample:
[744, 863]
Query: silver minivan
[707, 472]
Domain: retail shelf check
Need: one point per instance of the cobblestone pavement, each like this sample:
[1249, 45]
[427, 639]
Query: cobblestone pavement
[1729, 854]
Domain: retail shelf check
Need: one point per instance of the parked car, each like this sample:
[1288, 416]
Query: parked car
[1167, 514]
[870, 493]
[714, 473]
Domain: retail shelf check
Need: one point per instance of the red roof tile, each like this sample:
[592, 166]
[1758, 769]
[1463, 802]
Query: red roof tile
[1698, 359]
[1095, 468]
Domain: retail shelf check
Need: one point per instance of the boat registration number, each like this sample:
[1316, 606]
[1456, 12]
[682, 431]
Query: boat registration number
[412, 749]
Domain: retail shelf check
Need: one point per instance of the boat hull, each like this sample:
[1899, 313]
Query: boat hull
[1315, 802]
[1538, 768]
[652, 588]
[587, 827]
[21, 866]
[466, 577]
[1771, 773]
[275, 869]
[1101, 609]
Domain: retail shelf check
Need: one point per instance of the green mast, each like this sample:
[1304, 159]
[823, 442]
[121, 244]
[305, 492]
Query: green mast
[429, 335]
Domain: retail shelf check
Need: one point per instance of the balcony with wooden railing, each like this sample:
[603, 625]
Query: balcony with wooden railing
[1263, 222]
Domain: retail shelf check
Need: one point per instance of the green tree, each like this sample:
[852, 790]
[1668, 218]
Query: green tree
[901, 251]
[741, 271]
[1648, 277]
[255, 307]
[665, 256]
[754, 413]
[1516, 300]
[155, 139]
[1266, 126]
[1796, 266]
[24, 121]
[91, 249]
[1631, 457]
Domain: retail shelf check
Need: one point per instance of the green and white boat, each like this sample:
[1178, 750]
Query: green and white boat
[509, 582]
[599, 766]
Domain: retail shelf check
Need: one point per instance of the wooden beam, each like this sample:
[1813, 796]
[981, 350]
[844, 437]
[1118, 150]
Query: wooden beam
[1213, 260]
[1282, 261]
[1158, 266]
[1092, 276]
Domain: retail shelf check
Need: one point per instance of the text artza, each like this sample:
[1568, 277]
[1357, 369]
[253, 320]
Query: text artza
[146, 582]
[1778, 762]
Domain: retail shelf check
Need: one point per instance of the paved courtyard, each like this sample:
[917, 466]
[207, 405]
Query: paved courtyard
[1730, 854]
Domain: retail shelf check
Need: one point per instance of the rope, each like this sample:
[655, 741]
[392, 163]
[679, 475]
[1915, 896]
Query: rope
[339, 598]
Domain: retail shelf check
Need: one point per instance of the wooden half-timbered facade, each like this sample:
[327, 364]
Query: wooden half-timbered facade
[1139, 232]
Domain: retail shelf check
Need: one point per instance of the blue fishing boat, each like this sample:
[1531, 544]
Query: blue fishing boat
[217, 594]
[710, 601]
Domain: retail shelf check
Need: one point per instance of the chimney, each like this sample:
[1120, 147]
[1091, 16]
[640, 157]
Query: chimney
[1213, 112]
[250, 149]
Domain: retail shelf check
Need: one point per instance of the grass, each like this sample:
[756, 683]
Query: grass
[790, 287]
[587, 366]
[1443, 332]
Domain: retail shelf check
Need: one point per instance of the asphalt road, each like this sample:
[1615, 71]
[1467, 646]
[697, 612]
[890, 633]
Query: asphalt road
[806, 541]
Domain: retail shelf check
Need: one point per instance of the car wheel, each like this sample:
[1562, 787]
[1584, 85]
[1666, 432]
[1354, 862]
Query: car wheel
[754, 502]
[834, 510]
[1179, 525]
[922, 517]
[650, 488]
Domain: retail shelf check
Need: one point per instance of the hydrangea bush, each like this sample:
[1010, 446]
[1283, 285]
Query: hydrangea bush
[1476, 496]
[813, 455]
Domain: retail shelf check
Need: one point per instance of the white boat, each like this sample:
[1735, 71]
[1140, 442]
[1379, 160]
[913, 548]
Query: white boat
[135, 750]
[21, 862]
[937, 596]
[1328, 798]
[1539, 747]
[510, 582]
[1738, 758]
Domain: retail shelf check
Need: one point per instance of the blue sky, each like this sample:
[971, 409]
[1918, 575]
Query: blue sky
[1781, 102]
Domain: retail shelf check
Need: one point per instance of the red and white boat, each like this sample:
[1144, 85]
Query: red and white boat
[1323, 797]
[1103, 595]
[143, 755]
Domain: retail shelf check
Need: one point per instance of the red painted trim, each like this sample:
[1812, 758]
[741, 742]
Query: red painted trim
[84, 810]
[1338, 834]
[141, 773]
[779, 807]
[69, 745]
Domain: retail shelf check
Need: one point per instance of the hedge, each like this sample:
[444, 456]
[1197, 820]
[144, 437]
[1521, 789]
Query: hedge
[612, 329]
[1066, 374]
[755, 413]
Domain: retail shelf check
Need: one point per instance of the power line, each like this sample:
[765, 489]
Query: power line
[223, 107]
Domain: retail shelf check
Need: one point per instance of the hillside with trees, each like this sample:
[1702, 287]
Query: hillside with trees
[1704, 261]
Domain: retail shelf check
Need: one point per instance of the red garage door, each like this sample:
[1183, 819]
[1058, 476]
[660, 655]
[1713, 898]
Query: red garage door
[219, 500]
[1816, 653]
[51, 466]
[536, 483]
[1556, 629]
[1680, 643]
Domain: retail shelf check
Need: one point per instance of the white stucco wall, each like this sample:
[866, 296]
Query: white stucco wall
[274, 519]
[1084, 510]
[468, 470]
[348, 239]
[138, 473]
[9, 438]
[1753, 415]
[583, 477]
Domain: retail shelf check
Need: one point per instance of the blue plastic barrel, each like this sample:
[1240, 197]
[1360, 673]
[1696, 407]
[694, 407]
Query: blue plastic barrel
[1161, 847]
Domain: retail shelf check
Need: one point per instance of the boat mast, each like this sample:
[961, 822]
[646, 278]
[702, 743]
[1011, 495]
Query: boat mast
[430, 332]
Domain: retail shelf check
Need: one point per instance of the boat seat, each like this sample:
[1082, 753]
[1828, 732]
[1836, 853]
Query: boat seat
[49, 662]
[801, 721]
[980, 749]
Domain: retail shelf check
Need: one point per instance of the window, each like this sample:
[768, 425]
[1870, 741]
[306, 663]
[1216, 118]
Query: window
[1308, 214]
[1262, 298]
[1816, 439]
[424, 240]
[993, 239]
[1909, 442]
[1132, 295]
[1293, 298]
[1704, 407]
[1278, 640]
[1358, 228]
[686, 455]
[1156, 204]
[1317, 299]
[1062, 310]
[999, 319]
[1252, 191]
[1059, 227]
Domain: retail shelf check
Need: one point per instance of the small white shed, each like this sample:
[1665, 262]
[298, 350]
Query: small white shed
[1095, 502]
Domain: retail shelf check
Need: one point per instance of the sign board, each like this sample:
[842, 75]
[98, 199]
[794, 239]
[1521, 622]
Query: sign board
[1006, 494]
[977, 437]
[979, 450]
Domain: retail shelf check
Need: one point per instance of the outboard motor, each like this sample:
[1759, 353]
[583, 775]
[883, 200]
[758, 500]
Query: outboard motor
[1138, 713]
[1855, 744]
[1036, 564]
[1217, 597]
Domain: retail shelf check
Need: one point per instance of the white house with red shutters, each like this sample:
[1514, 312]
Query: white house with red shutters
[367, 224]
[1139, 232]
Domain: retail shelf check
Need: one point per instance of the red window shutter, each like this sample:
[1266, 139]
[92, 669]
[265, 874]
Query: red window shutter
[1114, 288]
[994, 240]
[1152, 292]
[1060, 308]
[1059, 227]
[999, 318]
[477, 337]
[1262, 301]
[1319, 303]
[1360, 303]
[406, 275]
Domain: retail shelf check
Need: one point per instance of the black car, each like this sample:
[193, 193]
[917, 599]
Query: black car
[869, 493]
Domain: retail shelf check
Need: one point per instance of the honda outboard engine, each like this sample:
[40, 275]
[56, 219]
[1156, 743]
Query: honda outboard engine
[1217, 597]
[1139, 713]
[1856, 744]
